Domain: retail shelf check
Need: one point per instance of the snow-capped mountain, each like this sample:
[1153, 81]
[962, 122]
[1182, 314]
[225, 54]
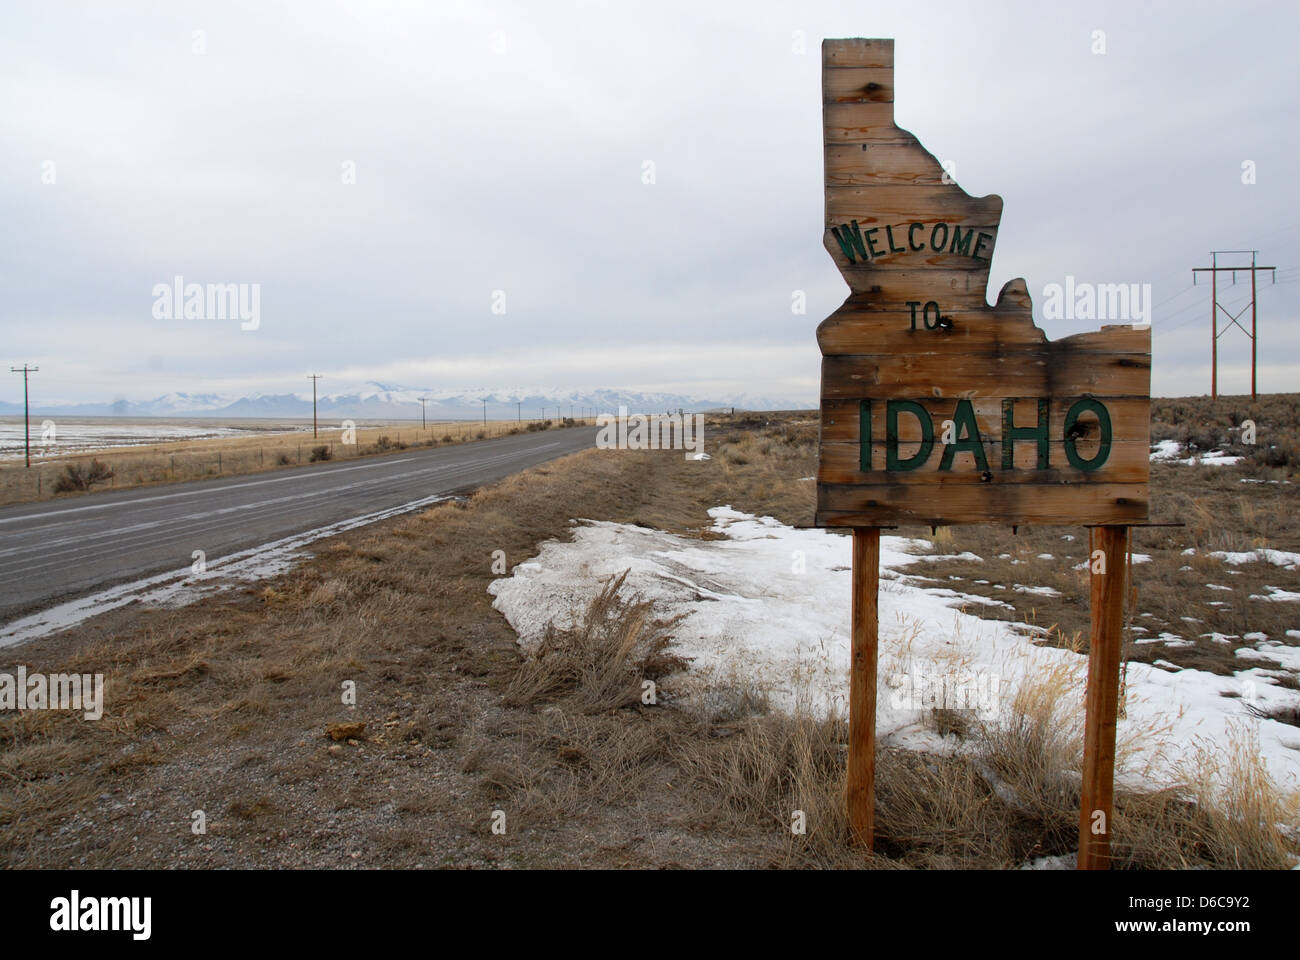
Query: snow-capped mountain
[374, 400]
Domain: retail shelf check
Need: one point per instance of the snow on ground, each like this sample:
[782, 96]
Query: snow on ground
[1214, 458]
[76, 436]
[1036, 591]
[1279, 558]
[1276, 593]
[1165, 450]
[1287, 656]
[769, 605]
[1169, 451]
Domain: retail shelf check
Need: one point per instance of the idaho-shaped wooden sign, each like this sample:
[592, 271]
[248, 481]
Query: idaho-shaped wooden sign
[937, 408]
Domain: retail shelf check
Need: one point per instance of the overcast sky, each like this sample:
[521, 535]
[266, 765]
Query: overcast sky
[503, 147]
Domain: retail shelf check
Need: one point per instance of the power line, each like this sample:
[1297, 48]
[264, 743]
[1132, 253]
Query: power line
[1187, 289]
[1165, 326]
[1273, 233]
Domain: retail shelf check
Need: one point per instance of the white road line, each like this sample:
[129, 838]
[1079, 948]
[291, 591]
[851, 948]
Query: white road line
[51, 551]
[189, 527]
[186, 528]
[195, 493]
[180, 586]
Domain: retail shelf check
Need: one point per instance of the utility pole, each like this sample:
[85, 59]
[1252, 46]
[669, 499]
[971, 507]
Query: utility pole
[1214, 270]
[485, 411]
[27, 415]
[313, 377]
[519, 411]
[422, 401]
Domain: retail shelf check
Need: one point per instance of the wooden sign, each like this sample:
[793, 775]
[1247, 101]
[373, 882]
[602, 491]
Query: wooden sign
[936, 407]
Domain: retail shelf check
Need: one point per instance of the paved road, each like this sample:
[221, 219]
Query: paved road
[56, 551]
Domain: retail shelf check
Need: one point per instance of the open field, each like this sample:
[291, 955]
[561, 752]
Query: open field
[259, 446]
[233, 705]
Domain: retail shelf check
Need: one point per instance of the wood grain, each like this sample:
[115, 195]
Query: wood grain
[904, 203]
[859, 85]
[862, 687]
[1028, 374]
[880, 163]
[842, 505]
[1102, 699]
[858, 52]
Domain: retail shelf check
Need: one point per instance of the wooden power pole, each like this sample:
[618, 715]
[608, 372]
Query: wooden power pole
[313, 377]
[1214, 270]
[27, 415]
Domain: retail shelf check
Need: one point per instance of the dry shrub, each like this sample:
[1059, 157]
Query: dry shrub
[75, 476]
[773, 766]
[1245, 820]
[1226, 814]
[600, 662]
[938, 812]
[931, 812]
[1032, 753]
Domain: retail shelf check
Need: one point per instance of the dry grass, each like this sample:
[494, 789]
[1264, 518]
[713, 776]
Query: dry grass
[1034, 753]
[271, 448]
[601, 663]
[1203, 425]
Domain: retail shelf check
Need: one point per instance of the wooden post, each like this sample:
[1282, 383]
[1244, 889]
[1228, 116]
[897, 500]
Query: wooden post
[1102, 701]
[862, 686]
[1253, 394]
[1214, 328]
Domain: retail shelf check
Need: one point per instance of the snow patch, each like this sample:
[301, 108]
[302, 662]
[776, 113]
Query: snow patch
[747, 618]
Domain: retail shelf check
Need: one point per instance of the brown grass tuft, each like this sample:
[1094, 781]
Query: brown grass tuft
[602, 661]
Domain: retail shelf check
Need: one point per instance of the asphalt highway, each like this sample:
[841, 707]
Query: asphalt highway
[55, 551]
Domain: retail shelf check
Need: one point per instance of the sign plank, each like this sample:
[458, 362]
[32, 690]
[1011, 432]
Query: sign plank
[937, 406]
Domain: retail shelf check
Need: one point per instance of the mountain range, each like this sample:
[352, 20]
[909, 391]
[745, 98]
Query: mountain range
[378, 401]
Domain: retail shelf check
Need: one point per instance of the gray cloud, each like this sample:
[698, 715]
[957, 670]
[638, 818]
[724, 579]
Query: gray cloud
[521, 170]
